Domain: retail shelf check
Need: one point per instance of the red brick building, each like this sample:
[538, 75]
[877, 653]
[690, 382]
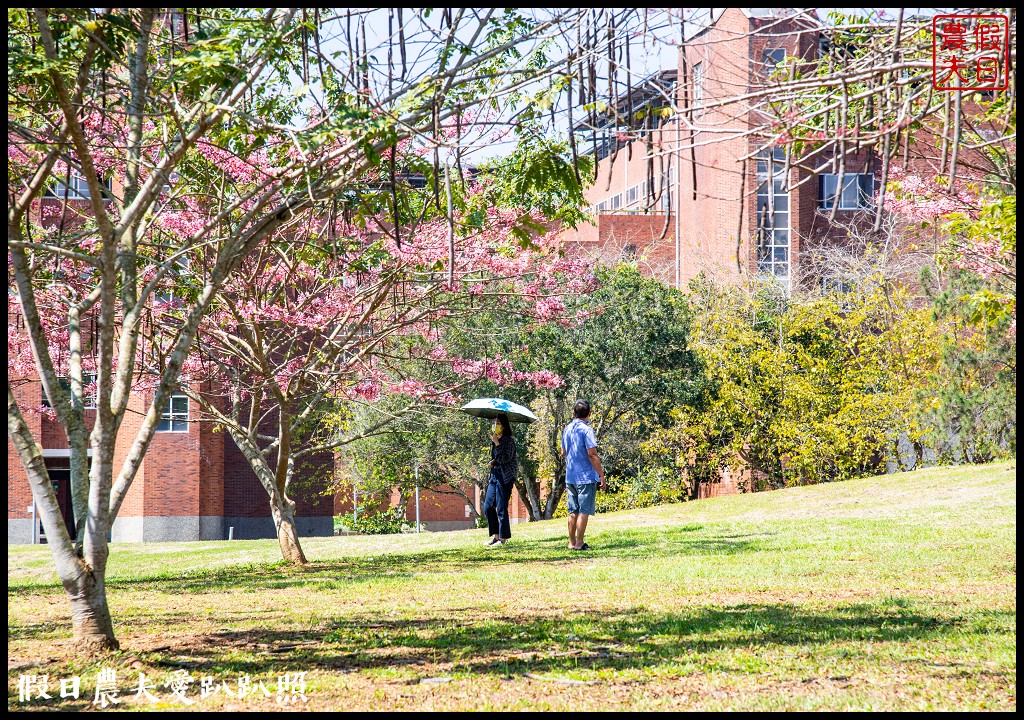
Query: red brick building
[687, 197]
[439, 510]
[193, 483]
[683, 186]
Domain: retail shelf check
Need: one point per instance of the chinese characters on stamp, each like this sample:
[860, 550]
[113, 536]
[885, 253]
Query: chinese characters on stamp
[970, 52]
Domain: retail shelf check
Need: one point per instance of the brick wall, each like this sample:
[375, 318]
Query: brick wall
[172, 479]
[439, 506]
[624, 236]
[19, 494]
[134, 502]
[312, 486]
[211, 470]
[245, 497]
[727, 484]
[451, 507]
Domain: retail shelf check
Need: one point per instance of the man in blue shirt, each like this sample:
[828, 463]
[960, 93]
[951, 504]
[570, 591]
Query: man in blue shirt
[583, 473]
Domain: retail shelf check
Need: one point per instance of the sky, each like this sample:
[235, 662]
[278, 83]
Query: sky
[653, 47]
[650, 52]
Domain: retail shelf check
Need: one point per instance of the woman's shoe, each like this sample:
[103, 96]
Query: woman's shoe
[492, 542]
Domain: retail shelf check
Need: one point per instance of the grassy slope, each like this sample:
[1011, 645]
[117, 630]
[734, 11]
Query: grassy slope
[897, 592]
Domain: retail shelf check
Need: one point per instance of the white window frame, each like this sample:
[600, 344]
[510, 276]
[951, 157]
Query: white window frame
[834, 284]
[767, 58]
[780, 231]
[855, 199]
[181, 267]
[88, 399]
[698, 84]
[78, 189]
[666, 191]
[171, 416]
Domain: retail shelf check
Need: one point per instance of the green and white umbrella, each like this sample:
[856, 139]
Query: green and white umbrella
[492, 407]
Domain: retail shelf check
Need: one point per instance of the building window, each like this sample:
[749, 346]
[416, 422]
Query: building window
[773, 57]
[88, 391]
[175, 415]
[76, 189]
[773, 215]
[836, 285]
[858, 191]
[168, 186]
[172, 295]
[616, 201]
[698, 85]
[824, 45]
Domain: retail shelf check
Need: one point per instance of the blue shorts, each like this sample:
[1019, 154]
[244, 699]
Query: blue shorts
[581, 498]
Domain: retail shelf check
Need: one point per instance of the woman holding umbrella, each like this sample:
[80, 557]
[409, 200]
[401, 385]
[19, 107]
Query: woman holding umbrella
[504, 464]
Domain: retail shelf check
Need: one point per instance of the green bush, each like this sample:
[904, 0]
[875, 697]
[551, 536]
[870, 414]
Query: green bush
[652, 487]
[387, 522]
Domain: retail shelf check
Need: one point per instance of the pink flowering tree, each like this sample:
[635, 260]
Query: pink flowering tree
[986, 246]
[305, 333]
[978, 236]
[150, 153]
[970, 406]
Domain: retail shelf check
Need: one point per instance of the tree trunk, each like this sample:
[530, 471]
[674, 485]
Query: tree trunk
[283, 511]
[85, 589]
[90, 617]
[554, 497]
[529, 491]
[557, 487]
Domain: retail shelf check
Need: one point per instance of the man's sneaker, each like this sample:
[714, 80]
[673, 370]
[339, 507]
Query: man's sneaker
[492, 542]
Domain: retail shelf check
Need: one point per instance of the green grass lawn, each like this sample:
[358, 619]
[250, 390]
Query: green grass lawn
[889, 593]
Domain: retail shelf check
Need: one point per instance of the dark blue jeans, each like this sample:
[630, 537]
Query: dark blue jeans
[496, 508]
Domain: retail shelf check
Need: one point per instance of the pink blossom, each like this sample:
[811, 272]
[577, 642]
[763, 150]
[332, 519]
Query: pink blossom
[549, 307]
[367, 390]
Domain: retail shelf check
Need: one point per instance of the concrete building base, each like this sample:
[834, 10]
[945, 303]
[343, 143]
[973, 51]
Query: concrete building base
[175, 528]
[19, 531]
[260, 528]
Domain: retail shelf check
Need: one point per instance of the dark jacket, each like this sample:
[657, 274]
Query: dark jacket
[506, 463]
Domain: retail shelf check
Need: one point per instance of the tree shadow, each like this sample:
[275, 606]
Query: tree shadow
[339, 573]
[554, 643]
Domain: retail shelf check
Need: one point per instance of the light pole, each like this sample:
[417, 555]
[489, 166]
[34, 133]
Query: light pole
[416, 472]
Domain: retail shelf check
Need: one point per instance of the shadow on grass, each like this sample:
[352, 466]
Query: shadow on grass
[673, 542]
[554, 643]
